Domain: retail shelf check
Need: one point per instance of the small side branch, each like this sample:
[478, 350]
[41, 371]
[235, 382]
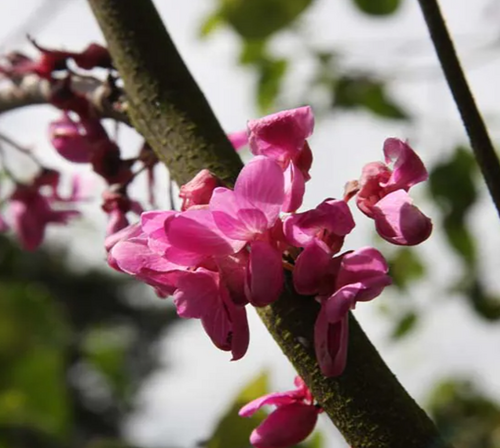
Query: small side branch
[471, 117]
[30, 90]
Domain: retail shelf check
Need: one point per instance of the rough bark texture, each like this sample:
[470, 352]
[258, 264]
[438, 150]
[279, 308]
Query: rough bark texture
[367, 403]
[165, 103]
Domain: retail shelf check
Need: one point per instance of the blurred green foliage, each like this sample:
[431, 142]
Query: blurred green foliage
[378, 7]
[73, 349]
[465, 415]
[350, 92]
[257, 19]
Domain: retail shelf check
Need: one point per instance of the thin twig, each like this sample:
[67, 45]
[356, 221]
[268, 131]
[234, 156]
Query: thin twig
[471, 117]
[31, 91]
[23, 150]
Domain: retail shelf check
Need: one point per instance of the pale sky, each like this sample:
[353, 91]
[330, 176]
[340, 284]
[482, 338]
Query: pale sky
[180, 405]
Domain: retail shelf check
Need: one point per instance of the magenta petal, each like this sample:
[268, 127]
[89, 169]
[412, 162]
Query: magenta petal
[261, 185]
[408, 169]
[238, 139]
[330, 342]
[282, 135]
[232, 270]
[276, 398]
[240, 333]
[311, 267]
[285, 427]
[29, 221]
[132, 231]
[153, 223]
[361, 264]
[265, 273]
[197, 293]
[328, 221]
[69, 142]
[195, 231]
[398, 221]
[237, 220]
[234, 217]
[295, 187]
[133, 255]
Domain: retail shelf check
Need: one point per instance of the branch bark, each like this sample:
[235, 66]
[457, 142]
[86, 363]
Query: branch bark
[471, 117]
[31, 90]
[367, 403]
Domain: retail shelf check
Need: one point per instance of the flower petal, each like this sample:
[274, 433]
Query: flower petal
[311, 267]
[330, 342]
[197, 293]
[282, 135]
[361, 264]
[265, 274]
[238, 139]
[408, 168]
[195, 231]
[276, 399]
[295, 187]
[399, 222]
[261, 185]
[285, 427]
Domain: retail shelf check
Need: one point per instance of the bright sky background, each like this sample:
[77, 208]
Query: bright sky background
[181, 404]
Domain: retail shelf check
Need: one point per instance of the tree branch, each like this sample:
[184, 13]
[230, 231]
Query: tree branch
[471, 117]
[31, 90]
[366, 403]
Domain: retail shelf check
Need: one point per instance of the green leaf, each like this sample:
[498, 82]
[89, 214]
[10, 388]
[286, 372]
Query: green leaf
[460, 239]
[233, 430]
[259, 19]
[106, 350]
[485, 305]
[210, 24]
[271, 73]
[405, 325]
[31, 393]
[354, 92]
[405, 266]
[253, 52]
[452, 183]
[378, 7]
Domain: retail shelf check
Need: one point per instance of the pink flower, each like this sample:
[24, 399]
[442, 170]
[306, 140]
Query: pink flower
[236, 219]
[200, 294]
[282, 137]
[198, 191]
[31, 213]
[293, 420]
[383, 195]
[238, 139]
[321, 233]
[129, 252]
[359, 276]
[70, 141]
[117, 205]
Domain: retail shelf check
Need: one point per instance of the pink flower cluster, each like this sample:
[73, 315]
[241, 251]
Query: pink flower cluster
[226, 248]
[79, 137]
[293, 420]
[35, 205]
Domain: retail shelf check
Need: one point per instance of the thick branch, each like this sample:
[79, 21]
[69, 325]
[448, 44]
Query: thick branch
[367, 403]
[31, 91]
[166, 104]
[471, 117]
